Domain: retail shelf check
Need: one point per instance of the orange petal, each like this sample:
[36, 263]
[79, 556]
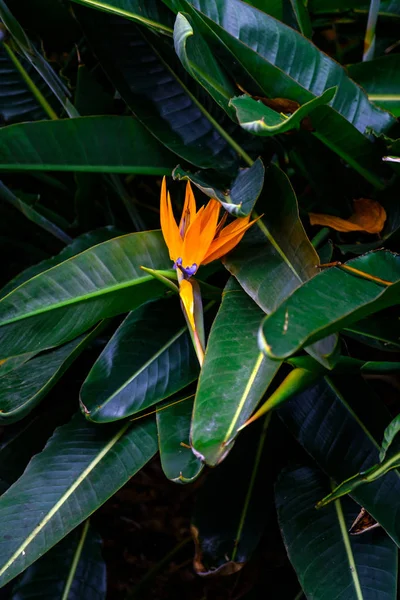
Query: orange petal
[186, 294]
[189, 210]
[368, 216]
[168, 224]
[200, 234]
[229, 237]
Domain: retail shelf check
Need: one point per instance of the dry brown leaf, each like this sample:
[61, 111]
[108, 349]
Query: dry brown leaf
[368, 216]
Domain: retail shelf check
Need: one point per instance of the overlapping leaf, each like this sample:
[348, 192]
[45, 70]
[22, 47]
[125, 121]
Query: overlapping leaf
[273, 263]
[24, 386]
[309, 314]
[63, 302]
[344, 439]
[317, 540]
[173, 425]
[108, 144]
[80, 468]
[149, 358]
[135, 62]
[234, 376]
[273, 60]
[241, 195]
[73, 569]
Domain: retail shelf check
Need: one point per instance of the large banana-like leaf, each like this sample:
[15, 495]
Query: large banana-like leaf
[146, 72]
[107, 144]
[344, 439]
[360, 288]
[274, 262]
[234, 376]
[73, 569]
[24, 386]
[80, 468]
[17, 103]
[380, 78]
[149, 358]
[273, 60]
[66, 300]
[173, 425]
[328, 561]
[80, 243]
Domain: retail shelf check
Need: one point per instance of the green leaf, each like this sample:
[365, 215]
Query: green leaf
[150, 13]
[279, 246]
[379, 331]
[79, 244]
[63, 302]
[241, 195]
[173, 424]
[272, 60]
[380, 79]
[309, 314]
[149, 358]
[233, 378]
[25, 386]
[27, 50]
[17, 102]
[152, 82]
[328, 561]
[231, 509]
[197, 58]
[32, 214]
[343, 438]
[80, 468]
[73, 569]
[258, 119]
[390, 433]
[91, 144]
[300, 9]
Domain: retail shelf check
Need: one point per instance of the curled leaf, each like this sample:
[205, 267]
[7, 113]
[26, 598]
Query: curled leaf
[368, 216]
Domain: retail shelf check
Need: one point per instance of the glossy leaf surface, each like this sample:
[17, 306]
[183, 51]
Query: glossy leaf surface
[278, 62]
[344, 439]
[381, 80]
[239, 199]
[259, 119]
[328, 561]
[138, 368]
[91, 465]
[108, 144]
[309, 315]
[234, 376]
[275, 262]
[49, 577]
[71, 297]
[155, 93]
[17, 102]
[80, 243]
[25, 386]
[173, 425]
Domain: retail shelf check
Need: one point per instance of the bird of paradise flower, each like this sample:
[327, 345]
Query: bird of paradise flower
[200, 238]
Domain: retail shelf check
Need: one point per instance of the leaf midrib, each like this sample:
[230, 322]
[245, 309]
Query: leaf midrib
[46, 519]
[138, 372]
[77, 299]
